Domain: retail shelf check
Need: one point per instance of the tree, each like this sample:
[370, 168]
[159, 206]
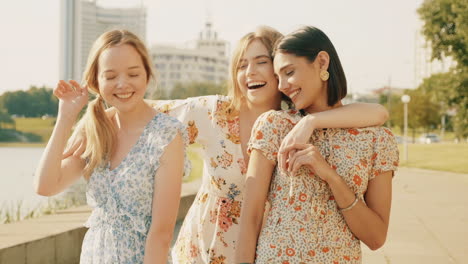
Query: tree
[446, 29]
[5, 119]
[16, 103]
[396, 111]
[422, 112]
[42, 101]
[35, 102]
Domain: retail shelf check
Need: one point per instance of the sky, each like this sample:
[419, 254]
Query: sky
[375, 39]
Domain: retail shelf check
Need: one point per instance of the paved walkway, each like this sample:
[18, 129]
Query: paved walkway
[429, 220]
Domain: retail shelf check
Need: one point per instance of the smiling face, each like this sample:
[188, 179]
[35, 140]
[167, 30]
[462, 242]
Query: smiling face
[122, 77]
[300, 80]
[256, 78]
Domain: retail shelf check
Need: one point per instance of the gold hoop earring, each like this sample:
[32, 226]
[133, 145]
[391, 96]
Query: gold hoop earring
[324, 75]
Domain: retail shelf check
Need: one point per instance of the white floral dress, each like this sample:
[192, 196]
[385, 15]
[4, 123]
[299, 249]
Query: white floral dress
[122, 198]
[210, 229]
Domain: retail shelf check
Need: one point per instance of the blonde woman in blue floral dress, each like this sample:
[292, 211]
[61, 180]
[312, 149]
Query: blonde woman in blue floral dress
[133, 161]
[222, 126]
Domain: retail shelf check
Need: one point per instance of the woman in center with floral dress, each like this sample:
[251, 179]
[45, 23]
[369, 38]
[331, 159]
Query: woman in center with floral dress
[222, 126]
[334, 191]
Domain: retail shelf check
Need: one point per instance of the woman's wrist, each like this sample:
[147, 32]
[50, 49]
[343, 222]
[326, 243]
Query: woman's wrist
[310, 121]
[333, 178]
[66, 120]
[67, 117]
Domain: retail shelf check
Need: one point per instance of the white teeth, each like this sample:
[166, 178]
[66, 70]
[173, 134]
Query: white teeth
[124, 96]
[255, 84]
[294, 93]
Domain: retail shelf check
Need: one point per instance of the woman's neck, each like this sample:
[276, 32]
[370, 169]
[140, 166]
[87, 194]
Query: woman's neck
[320, 104]
[136, 118]
[251, 113]
[254, 111]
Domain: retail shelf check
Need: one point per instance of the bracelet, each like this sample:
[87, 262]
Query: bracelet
[351, 206]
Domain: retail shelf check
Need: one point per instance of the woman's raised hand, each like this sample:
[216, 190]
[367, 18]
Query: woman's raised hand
[72, 98]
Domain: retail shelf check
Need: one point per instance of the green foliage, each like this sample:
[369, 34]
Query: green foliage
[196, 162]
[11, 135]
[446, 29]
[35, 102]
[450, 89]
[193, 89]
[8, 135]
[38, 126]
[422, 111]
[28, 130]
[5, 119]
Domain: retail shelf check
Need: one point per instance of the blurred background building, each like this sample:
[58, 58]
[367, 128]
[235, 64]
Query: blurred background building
[207, 61]
[82, 21]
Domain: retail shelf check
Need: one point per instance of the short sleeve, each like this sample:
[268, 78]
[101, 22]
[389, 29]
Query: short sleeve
[386, 155]
[194, 113]
[184, 132]
[267, 134]
[167, 134]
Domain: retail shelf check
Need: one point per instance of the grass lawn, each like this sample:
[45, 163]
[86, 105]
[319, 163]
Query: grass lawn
[22, 145]
[440, 156]
[193, 153]
[38, 126]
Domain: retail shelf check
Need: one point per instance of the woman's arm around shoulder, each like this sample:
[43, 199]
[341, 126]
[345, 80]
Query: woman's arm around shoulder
[347, 116]
[195, 112]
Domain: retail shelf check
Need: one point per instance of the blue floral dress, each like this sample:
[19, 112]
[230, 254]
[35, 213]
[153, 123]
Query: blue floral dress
[122, 197]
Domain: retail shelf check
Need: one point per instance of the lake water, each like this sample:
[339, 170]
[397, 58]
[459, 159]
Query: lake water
[17, 166]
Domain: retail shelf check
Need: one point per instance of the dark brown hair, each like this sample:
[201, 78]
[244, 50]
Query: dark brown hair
[308, 42]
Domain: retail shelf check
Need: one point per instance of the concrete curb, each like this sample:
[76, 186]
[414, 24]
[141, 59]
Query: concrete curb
[54, 239]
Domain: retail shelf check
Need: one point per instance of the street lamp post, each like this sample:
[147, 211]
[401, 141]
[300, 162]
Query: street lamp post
[405, 99]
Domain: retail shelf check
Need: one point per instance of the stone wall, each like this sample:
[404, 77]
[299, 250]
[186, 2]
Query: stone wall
[57, 238]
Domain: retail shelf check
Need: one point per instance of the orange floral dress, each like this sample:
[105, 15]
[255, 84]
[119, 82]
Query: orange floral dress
[209, 231]
[304, 224]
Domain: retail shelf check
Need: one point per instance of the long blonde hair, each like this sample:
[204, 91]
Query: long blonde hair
[99, 130]
[268, 36]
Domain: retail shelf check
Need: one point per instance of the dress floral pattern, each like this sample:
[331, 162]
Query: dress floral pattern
[304, 224]
[210, 229]
[122, 197]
